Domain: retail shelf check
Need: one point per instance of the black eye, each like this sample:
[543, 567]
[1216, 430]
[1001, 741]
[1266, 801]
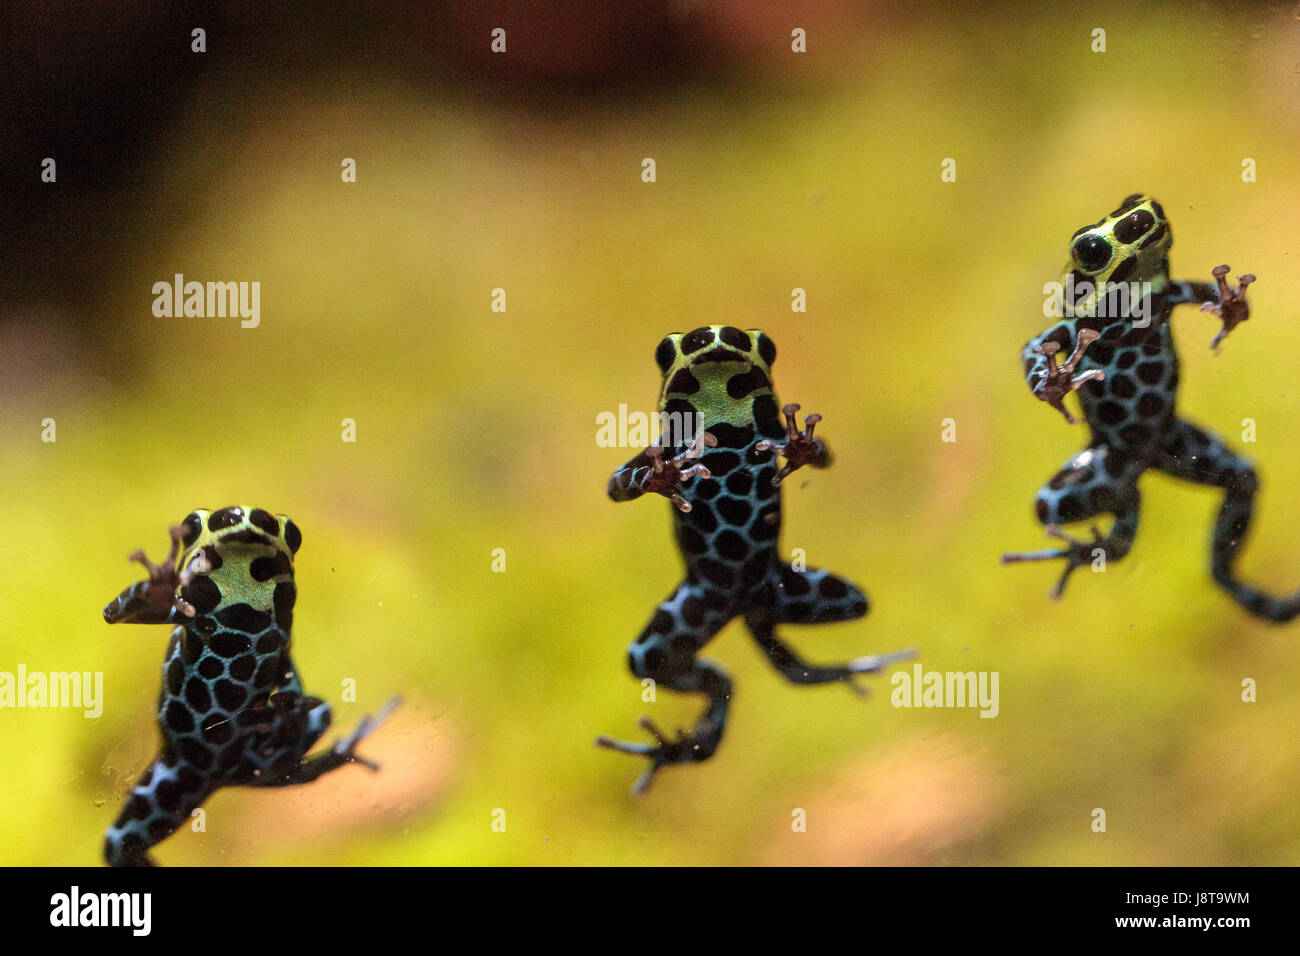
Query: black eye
[292, 536]
[193, 525]
[1091, 252]
[1133, 227]
[664, 355]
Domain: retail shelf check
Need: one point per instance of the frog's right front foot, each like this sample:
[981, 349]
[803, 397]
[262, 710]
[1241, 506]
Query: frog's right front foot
[1060, 380]
[1076, 553]
[687, 748]
[1232, 306]
[667, 473]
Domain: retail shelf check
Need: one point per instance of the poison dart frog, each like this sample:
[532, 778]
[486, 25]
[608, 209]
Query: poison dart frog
[1123, 364]
[717, 461]
[232, 711]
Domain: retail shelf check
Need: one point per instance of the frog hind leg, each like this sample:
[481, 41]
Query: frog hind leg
[1196, 455]
[160, 802]
[289, 726]
[811, 596]
[1099, 480]
[665, 652]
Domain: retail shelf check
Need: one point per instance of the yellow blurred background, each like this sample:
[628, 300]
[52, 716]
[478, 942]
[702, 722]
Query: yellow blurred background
[476, 431]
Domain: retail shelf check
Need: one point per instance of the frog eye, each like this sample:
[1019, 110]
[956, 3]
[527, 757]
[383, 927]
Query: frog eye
[766, 349]
[1092, 252]
[1133, 227]
[193, 525]
[664, 354]
[292, 536]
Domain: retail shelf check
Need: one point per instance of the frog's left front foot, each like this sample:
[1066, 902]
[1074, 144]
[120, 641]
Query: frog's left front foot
[1232, 307]
[1076, 553]
[800, 447]
[687, 748]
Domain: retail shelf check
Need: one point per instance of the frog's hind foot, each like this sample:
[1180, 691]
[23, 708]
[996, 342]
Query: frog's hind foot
[1076, 553]
[346, 747]
[686, 748]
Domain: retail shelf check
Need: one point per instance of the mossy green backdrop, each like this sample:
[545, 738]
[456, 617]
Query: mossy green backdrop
[476, 431]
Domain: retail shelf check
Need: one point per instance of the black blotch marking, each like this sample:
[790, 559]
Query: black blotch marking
[244, 617]
[738, 386]
[684, 383]
[1151, 404]
[696, 340]
[197, 696]
[225, 518]
[1069, 509]
[178, 717]
[282, 600]
[229, 643]
[734, 337]
[731, 545]
[706, 489]
[262, 519]
[1123, 386]
[175, 676]
[740, 483]
[203, 593]
[702, 517]
[1151, 372]
[216, 728]
[691, 541]
[716, 573]
[721, 463]
[269, 566]
[1133, 227]
[734, 511]
[230, 695]
[729, 436]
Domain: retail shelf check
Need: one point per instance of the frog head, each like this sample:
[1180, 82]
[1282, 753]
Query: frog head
[235, 561]
[717, 372]
[1129, 245]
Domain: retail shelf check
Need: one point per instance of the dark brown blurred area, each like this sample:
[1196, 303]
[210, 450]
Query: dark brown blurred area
[97, 86]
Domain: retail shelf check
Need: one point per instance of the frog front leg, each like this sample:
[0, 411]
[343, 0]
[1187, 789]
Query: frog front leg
[1228, 304]
[665, 652]
[1096, 481]
[652, 473]
[1049, 382]
[156, 600]
[800, 447]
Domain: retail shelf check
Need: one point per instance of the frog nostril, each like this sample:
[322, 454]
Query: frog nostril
[1091, 252]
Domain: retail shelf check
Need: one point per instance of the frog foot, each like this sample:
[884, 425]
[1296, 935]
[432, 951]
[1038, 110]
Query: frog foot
[666, 473]
[1060, 380]
[799, 448]
[873, 664]
[346, 747]
[1232, 306]
[687, 748]
[154, 598]
[1076, 553]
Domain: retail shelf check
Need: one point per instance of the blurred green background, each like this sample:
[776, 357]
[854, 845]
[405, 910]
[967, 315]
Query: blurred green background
[476, 430]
